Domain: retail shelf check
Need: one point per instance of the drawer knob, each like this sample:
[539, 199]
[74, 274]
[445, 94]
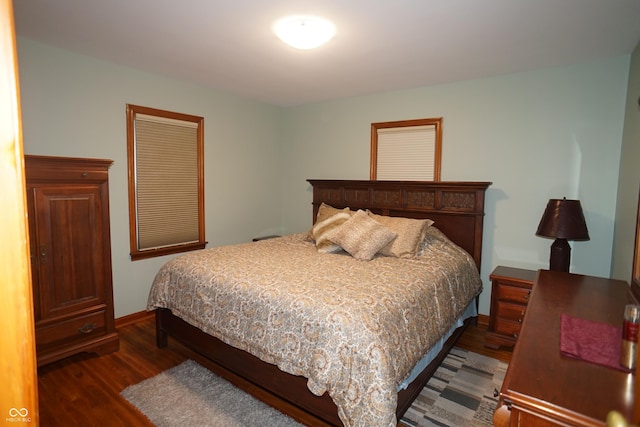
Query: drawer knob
[515, 335]
[496, 393]
[87, 328]
[526, 297]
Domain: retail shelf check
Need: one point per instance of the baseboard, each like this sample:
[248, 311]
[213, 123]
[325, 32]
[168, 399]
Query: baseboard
[483, 320]
[133, 318]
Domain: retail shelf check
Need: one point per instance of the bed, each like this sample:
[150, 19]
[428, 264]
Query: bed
[341, 337]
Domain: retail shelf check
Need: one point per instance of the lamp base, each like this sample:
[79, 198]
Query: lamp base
[560, 257]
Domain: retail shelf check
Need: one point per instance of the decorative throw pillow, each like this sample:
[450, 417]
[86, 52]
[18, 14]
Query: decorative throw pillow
[324, 212]
[410, 233]
[321, 229]
[361, 236]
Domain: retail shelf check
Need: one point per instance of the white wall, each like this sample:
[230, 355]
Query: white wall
[629, 178]
[537, 135]
[74, 106]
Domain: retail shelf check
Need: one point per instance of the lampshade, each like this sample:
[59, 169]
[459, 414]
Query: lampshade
[304, 32]
[563, 219]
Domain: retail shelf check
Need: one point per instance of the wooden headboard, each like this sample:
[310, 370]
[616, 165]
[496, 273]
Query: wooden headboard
[457, 208]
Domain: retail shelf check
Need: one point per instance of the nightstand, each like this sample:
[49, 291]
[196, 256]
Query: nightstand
[257, 239]
[510, 290]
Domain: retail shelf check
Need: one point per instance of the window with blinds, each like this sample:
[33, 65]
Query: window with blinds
[166, 182]
[408, 150]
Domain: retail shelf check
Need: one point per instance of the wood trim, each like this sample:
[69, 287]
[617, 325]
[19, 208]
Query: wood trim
[19, 393]
[48, 169]
[138, 254]
[133, 318]
[436, 122]
[483, 320]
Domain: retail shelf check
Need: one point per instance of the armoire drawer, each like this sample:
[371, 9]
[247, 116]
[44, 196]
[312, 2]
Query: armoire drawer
[76, 328]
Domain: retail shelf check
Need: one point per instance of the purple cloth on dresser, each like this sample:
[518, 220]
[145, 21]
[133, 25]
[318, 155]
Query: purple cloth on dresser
[593, 342]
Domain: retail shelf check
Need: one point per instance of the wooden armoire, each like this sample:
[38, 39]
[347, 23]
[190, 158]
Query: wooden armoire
[69, 236]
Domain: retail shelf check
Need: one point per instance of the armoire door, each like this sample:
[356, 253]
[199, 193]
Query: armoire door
[69, 250]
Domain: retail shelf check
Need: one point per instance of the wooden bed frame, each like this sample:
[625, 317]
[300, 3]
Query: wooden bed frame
[458, 211]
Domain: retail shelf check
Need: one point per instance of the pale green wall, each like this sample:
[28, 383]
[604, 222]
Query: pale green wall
[536, 135]
[629, 178]
[73, 105]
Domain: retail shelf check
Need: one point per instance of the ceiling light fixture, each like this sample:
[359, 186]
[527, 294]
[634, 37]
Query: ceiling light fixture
[304, 32]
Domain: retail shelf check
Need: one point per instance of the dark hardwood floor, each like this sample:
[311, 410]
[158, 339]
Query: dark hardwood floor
[84, 390]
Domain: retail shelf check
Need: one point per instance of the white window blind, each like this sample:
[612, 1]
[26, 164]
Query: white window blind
[406, 153]
[166, 167]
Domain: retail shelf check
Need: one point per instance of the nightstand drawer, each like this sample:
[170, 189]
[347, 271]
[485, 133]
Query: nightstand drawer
[512, 293]
[507, 327]
[510, 311]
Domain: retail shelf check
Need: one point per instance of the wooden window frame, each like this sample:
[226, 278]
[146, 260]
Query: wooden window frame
[375, 127]
[137, 253]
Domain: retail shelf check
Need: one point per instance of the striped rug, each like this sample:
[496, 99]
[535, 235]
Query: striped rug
[460, 393]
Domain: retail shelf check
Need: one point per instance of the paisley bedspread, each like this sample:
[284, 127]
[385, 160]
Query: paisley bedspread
[353, 328]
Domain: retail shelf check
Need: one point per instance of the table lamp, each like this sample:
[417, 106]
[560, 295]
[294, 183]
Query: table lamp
[563, 220]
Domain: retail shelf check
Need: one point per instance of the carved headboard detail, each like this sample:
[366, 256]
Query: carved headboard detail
[457, 208]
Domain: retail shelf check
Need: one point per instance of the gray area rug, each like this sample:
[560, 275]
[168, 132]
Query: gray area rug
[459, 394]
[191, 395]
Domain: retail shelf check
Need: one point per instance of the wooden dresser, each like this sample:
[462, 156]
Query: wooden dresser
[68, 207]
[544, 388]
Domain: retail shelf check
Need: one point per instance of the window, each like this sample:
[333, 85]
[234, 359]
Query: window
[407, 150]
[166, 182]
